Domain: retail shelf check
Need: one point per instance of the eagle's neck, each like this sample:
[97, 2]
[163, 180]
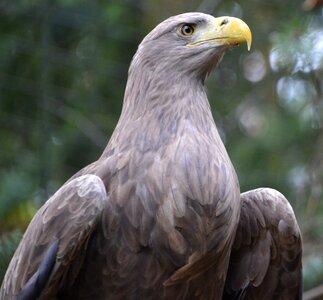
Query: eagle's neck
[157, 104]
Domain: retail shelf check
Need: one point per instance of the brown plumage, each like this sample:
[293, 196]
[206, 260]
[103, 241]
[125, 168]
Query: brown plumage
[156, 216]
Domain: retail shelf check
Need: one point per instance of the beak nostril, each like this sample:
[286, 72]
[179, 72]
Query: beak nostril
[225, 21]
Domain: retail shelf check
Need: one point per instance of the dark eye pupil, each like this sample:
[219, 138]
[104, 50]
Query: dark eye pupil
[187, 29]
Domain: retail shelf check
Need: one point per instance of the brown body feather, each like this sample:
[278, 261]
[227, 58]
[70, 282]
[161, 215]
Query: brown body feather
[156, 216]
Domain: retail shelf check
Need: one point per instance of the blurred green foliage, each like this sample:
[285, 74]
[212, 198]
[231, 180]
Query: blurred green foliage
[8, 244]
[63, 69]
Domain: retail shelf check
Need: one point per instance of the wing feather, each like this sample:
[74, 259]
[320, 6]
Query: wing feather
[265, 261]
[69, 217]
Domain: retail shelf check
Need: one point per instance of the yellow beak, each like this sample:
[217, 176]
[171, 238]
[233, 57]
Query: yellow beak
[224, 31]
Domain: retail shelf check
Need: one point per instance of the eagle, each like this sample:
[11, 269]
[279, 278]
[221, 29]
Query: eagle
[160, 214]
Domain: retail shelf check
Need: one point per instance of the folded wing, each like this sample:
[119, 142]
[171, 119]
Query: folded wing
[265, 261]
[54, 245]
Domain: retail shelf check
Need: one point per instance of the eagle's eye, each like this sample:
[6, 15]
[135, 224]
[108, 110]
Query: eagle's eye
[187, 29]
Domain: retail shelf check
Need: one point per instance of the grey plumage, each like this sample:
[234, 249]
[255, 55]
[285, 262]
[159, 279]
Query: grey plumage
[156, 216]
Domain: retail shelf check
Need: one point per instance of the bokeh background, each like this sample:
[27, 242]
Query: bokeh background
[63, 70]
